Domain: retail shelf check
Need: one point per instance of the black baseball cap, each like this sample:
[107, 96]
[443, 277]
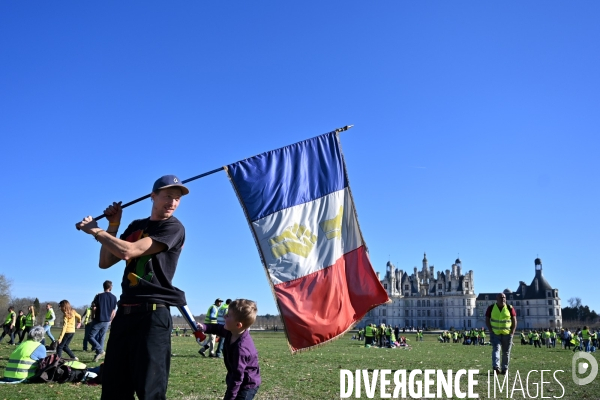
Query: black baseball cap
[168, 181]
[218, 300]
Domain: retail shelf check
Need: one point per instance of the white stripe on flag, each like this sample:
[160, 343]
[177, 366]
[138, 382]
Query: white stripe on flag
[303, 239]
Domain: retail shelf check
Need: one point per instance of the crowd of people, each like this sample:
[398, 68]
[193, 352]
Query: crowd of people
[32, 347]
[381, 336]
[583, 339]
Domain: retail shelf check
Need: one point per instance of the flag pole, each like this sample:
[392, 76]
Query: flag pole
[338, 130]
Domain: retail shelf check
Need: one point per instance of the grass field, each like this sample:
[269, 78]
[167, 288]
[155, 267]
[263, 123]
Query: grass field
[316, 374]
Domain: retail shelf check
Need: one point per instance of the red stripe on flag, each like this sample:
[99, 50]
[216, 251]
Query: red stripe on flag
[320, 306]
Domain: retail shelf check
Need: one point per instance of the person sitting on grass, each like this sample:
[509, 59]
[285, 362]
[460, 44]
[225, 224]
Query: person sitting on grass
[240, 355]
[22, 362]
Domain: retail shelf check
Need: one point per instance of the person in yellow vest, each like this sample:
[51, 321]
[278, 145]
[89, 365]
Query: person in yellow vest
[482, 336]
[553, 335]
[20, 326]
[211, 318]
[536, 339]
[9, 325]
[501, 320]
[221, 313]
[586, 337]
[546, 335]
[388, 336]
[368, 335]
[576, 341]
[29, 319]
[87, 326]
[22, 362]
[530, 337]
[49, 322]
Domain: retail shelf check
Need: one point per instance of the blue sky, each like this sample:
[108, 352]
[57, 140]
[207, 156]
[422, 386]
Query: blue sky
[476, 132]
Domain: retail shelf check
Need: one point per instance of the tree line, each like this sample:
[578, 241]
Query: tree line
[22, 303]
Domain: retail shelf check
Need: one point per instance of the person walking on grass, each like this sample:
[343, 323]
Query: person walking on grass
[211, 318]
[71, 320]
[20, 326]
[501, 320]
[48, 323]
[103, 311]
[9, 325]
[29, 320]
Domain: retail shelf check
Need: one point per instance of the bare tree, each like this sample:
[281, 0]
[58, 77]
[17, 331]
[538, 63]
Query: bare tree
[574, 302]
[5, 284]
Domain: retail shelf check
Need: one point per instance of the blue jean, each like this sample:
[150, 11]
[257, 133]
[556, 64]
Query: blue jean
[504, 343]
[86, 336]
[246, 394]
[220, 346]
[47, 329]
[97, 335]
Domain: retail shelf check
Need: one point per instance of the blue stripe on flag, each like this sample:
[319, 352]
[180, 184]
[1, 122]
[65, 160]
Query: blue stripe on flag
[289, 176]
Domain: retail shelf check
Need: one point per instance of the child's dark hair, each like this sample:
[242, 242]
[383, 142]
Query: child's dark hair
[243, 311]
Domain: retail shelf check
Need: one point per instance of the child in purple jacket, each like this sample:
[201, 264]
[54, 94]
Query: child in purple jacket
[239, 353]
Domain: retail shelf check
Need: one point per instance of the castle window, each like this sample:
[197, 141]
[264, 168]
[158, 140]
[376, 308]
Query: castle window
[527, 303]
[469, 323]
[405, 287]
[418, 313]
[439, 293]
[518, 313]
[385, 286]
[558, 311]
[439, 286]
[406, 294]
[549, 302]
[406, 313]
[418, 303]
[428, 303]
[466, 285]
[528, 312]
[550, 311]
[383, 313]
[518, 303]
[428, 313]
[549, 294]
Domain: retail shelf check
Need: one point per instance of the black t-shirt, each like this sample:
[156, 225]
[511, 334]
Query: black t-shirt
[147, 279]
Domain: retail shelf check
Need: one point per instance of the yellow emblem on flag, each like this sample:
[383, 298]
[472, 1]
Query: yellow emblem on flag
[333, 227]
[296, 239]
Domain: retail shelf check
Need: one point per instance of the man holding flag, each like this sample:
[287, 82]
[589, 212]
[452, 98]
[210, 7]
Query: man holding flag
[139, 347]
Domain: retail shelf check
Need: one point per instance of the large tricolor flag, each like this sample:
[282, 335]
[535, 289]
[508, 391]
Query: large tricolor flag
[301, 213]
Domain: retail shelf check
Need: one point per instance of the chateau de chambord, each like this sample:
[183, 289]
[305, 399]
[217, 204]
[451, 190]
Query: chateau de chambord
[447, 299]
